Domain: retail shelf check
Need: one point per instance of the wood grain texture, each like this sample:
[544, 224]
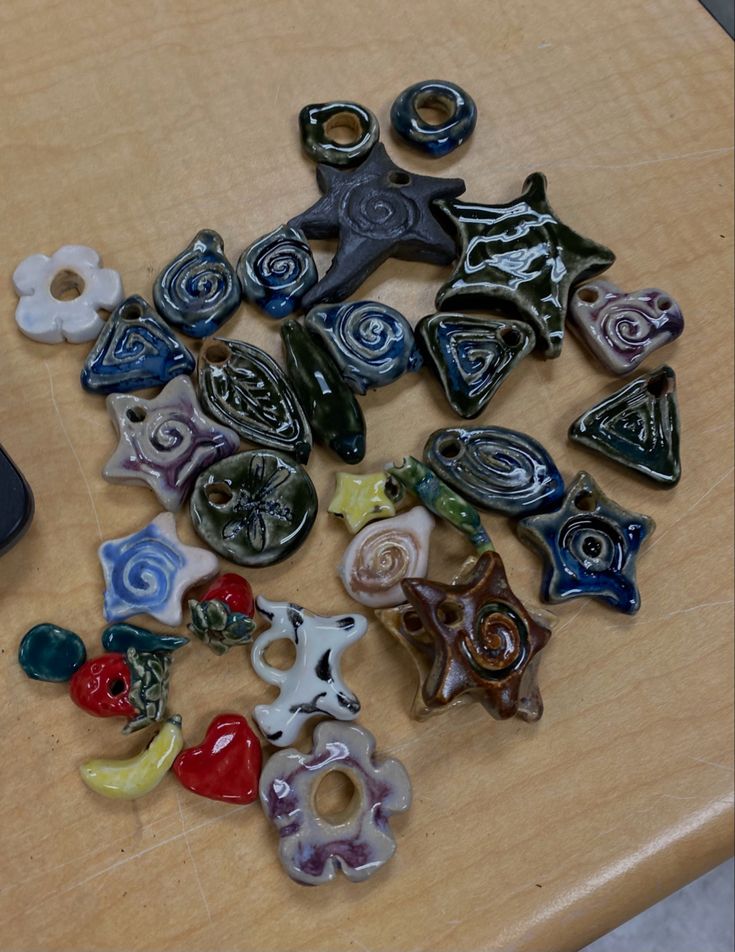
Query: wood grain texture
[128, 126]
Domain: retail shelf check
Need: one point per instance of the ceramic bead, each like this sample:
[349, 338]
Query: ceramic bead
[223, 616]
[472, 356]
[637, 426]
[243, 387]
[440, 499]
[277, 270]
[435, 139]
[589, 547]
[496, 468]
[621, 329]
[199, 290]
[471, 639]
[371, 344]
[149, 571]
[520, 257]
[318, 121]
[311, 848]
[135, 350]
[226, 765]
[50, 653]
[61, 296]
[332, 410]
[382, 554]
[377, 211]
[313, 685]
[164, 443]
[362, 498]
[254, 508]
[16, 512]
[121, 636]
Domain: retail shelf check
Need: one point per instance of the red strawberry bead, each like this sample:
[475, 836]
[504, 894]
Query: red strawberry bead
[234, 591]
[101, 686]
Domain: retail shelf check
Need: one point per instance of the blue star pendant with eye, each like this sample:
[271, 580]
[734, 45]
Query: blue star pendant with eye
[589, 546]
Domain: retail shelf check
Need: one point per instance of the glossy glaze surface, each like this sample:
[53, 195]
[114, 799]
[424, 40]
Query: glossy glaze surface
[243, 387]
[318, 121]
[164, 443]
[589, 547]
[148, 572]
[519, 257]
[472, 356]
[223, 616]
[135, 350]
[61, 296]
[255, 508]
[277, 270]
[377, 211]
[313, 848]
[121, 636]
[199, 290]
[226, 765]
[441, 499]
[332, 410]
[458, 110]
[371, 344]
[472, 639]
[313, 685]
[622, 328]
[16, 512]
[637, 426]
[496, 468]
[50, 653]
[361, 498]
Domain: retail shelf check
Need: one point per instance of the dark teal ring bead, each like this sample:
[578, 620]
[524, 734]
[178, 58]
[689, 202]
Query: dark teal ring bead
[315, 121]
[435, 140]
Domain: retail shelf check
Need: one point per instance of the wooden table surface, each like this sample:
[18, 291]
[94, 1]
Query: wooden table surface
[128, 126]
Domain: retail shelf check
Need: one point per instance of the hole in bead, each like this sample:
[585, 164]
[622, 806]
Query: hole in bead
[434, 109]
[592, 547]
[450, 449]
[280, 654]
[588, 294]
[663, 303]
[218, 494]
[67, 286]
[131, 311]
[511, 336]
[399, 177]
[216, 353]
[116, 687]
[393, 489]
[343, 128]
[336, 798]
[585, 501]
[412, 622]
[135, 414]
[449, 613]
[659, 385]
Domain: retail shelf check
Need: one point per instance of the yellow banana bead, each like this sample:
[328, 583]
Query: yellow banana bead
[136, 776]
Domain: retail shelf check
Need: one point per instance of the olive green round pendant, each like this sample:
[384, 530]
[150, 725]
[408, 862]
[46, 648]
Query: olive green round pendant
[254, 508]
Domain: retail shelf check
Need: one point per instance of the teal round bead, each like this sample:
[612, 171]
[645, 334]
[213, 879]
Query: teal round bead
[50, 653]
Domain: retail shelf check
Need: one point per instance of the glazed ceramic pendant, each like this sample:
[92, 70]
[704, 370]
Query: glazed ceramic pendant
[496, 468]
[223, 616]
[382, 554]
[589, 546]
[121, 636]
[164, 443]
[312, 686]
[312, 848]
[440, 499]
[520, 258]
[277, 270]
[255, 508]
[363, 498]
[50, 653]
[136, 776]
[135, 350]
[199, 290]
[472, 639]
[226, 765]
[61, 296]
[377, 211]
[318, 123]
[472, 356]
[335, 416]
[622, 329]
[16, 511]
[637, 426]
[371, 344]
[457, 108]
[149, 571]
[243, 387]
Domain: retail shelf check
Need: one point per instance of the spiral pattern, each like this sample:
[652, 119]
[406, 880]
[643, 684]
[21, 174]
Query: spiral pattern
[277, 270]
[167, 435]
[385, 560]
[144, 571]
[499, 642]
[378, 213]
[593, 543]
[199, 281]
[625, 326]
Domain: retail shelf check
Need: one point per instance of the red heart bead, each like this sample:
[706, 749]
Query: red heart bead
[226, 765]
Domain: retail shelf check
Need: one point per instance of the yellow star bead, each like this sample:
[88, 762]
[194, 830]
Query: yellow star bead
[361, 499]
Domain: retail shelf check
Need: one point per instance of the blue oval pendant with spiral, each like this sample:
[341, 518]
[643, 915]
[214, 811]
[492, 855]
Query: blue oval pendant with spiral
[372, 344]
[199, 289]
[277, 270]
